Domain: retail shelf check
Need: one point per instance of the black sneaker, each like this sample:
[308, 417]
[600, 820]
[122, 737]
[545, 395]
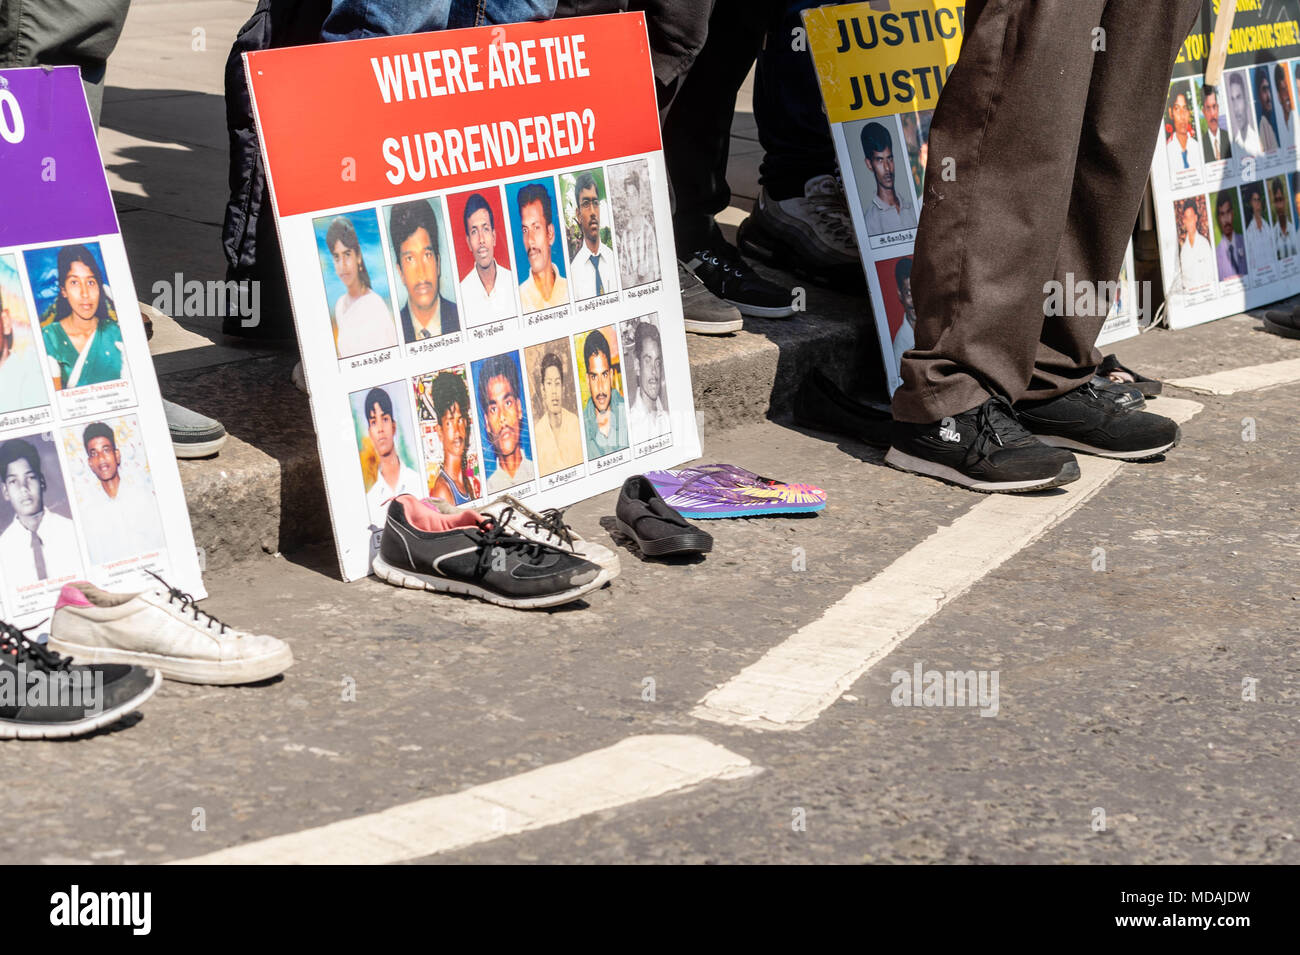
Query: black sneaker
[44, 696]
[1097, 421]
[465, 553]
[724, 273]
[984, 449]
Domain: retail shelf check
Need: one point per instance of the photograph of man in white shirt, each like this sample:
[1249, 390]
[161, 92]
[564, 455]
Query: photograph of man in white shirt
[1244, 136]
[120, 513]
[1283, 235]
[648, 417]
[593, 271]
[1182, 148]
[487, 293]
[1259, 233]
[37, 544]
[1195, 257]
[392, 476]
[886, 211]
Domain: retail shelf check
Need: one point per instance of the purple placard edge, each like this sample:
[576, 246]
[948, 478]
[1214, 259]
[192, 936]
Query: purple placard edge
[53, 179]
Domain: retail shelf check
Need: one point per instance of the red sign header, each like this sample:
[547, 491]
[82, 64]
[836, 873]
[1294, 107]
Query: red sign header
[369, 120]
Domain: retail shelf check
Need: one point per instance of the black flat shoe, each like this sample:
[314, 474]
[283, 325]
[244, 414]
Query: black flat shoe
[643, 515]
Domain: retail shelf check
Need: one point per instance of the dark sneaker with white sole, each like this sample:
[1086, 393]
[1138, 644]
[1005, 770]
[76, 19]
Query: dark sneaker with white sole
[728, 276]
[1098, 421]
[703, 312]
[45, 696]
[476, 555]
[984, 449]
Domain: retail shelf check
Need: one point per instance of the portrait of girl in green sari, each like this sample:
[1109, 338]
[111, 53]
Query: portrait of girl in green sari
[83, 340]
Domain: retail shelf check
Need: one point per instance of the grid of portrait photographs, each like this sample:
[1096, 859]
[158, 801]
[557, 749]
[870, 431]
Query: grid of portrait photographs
[1227, 190]
[78, 498]
[506, 338]
[884, 162]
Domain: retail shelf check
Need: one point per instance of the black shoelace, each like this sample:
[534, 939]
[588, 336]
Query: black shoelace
[498, 538]
[188, 603]
[994, 421]
[551, 523]
[16, 642]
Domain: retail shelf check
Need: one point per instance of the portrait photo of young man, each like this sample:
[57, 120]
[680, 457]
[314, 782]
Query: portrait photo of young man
[592, 271]
[419, 253]
[37, 543]
[504, 414]
[604, 409]
[119, 510]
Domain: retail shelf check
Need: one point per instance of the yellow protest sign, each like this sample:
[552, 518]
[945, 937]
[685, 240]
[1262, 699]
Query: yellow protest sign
[878, 59]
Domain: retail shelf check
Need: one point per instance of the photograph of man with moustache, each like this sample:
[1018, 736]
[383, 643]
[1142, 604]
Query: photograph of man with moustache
[648, 417]
[505, 420]
[416, 234]
[604, 409]
[119, 512]
[541, 268]
[592, 271]
[556, 429]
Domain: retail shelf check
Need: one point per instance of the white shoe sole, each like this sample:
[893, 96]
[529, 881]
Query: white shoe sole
[184, 669]
[413, 581]
[200, 449]
[715, 328]
[1072, 445]
[907, 462]
[14, 730]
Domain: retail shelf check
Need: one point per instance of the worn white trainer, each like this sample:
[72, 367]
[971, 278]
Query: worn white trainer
[164, 629]
[547, 527]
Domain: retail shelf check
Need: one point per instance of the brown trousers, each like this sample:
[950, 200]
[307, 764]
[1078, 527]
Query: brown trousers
[1050, 139]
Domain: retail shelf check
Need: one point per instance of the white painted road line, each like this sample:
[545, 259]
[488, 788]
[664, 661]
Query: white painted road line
[793, 683]
[1252, 378]
[637, 768]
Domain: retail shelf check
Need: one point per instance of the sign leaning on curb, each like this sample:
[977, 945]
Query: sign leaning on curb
[479, 254]
[1226, 172]
[91, 490]
[881, 73]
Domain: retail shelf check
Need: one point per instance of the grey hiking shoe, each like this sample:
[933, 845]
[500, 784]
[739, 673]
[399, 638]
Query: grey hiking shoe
[705, 313]
[193, 435]
[811, 235]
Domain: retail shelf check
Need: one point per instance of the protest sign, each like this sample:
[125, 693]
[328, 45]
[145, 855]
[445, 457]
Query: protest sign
[1226, 175]
[91, 489]
[881, 73]
[479, 252]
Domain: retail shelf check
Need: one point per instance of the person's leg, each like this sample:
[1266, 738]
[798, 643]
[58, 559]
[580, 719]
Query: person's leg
[792, 126]
[697, 130]
[1003, 150]
[1130, 84]
[800, 220]
[63, 33]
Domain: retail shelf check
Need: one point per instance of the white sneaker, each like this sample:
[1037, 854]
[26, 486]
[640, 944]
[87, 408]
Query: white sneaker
[546, 528]
[163, 629]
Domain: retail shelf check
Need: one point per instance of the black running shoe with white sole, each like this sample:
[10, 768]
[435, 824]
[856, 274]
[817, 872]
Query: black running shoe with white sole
[1097, 421]
[476, 555]
[45, 696]
[724, 273]
[984, 449]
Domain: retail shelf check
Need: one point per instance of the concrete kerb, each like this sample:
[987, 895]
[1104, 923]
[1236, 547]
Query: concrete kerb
[264, 492]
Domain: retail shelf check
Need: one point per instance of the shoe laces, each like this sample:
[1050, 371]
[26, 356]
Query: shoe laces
[16, 643]
[995, 422]
[728, 260]
[498, 536]
[188, 604]
[551, 523]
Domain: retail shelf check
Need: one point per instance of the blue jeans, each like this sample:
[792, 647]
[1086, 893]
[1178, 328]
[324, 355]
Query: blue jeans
[354, 19]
